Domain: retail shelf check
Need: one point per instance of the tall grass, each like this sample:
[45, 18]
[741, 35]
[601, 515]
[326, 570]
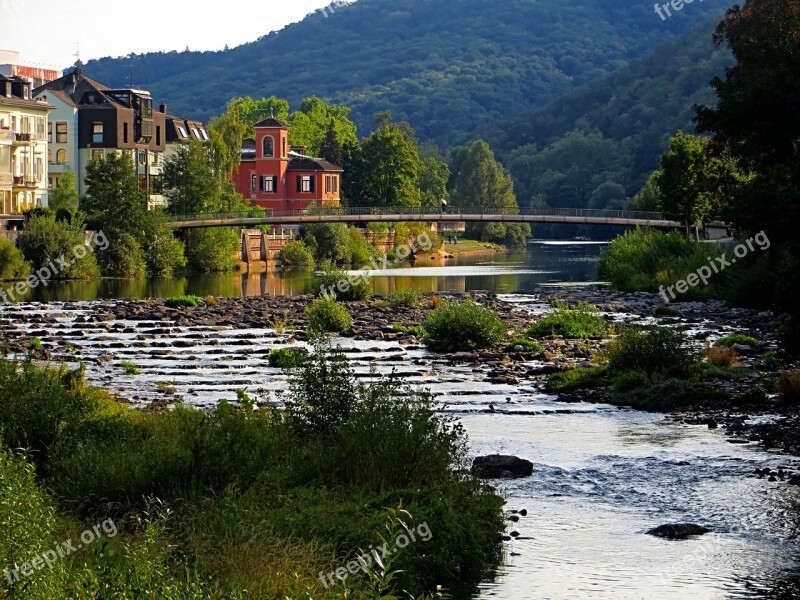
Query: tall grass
[583, 321]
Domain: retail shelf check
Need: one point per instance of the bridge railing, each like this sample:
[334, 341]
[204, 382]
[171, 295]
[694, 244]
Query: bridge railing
[418, 211]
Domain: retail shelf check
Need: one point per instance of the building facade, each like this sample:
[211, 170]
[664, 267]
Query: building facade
[23, 146]
[90, 119]
[275, 176]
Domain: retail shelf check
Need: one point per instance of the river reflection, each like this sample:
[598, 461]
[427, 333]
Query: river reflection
[524, 271]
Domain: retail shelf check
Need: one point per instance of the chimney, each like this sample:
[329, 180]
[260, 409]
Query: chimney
[163, 108]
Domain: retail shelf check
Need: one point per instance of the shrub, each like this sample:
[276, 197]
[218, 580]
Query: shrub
[360, 251]
[212, 250]
[12, 263]
[183, 301]
[722, 356]
[664, 395]
[296, 254]
[789, 387]
[408, 299]
[666, 311]
[128, 367]
[45, 240]
[736, 339]
[462, 326]
[576, 379]
[328, 315]
[656, 350]
[581, 322]
[338, 284]
[772, 360]
[287, 358]
[528, 345]
[122, 258]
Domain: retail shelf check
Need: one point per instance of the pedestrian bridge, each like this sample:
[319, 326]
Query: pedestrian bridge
[574, 216]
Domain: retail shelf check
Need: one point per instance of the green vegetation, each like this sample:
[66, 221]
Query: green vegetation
[328, 315]
[212, 250]
[462, 326]
[128, 367]
[737, 339]
[407, 299]
[45, 240]
[526, 344]
[660, 351]
[663, 395]
[122, 258]
[183, 301]
[581, 322]
[12, 262]
[296, 254]
[287, 358]
[261, 500]
[666, 311]
[645, 260]
[576, 379]
[64, 196]
[336, 283]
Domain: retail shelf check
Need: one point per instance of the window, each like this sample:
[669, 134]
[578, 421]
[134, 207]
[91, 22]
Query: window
[41, 127]
[253, 180]
[182, 131]
[155, 160]
[156, 184]
[269, 184]
[124, 133]
[195, 133]
[305, 184]
[203, 134]
[158, 135]
[39, 169]
[49, 133]
[97, 133]
[61, 132]
[97, 154]
[143, 157]
[328, 184]
[61, 157]
[284, 148]
[49, 156]
[335, 181]
[268, 147]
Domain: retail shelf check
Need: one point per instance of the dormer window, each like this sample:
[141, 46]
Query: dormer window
[268, 147]
[182, 131]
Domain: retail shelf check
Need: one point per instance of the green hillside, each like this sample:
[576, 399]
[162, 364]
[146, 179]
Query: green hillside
[594, 145]
[447, 67]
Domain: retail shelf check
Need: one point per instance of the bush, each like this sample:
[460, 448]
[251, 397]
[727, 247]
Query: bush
[666, 311]
[12, 263]
[581, 322]
[212, 250]
[328, 315]
[360, 251]
[128, 367]
[462, 326]
[337, 284]
[408, 299]
[527, 345]
[576, 379]
[287, 358]
[721, 356]
[183, 301]
[736, 339]
[657, 350]
[123, 258]
[789, 387]
[643, 260]
[296, 254]
[663, 395]
[45, 240]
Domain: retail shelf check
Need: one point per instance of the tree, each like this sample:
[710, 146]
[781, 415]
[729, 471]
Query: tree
[113, 196]
[327, 241]
[331, 148]
[58, 247]
[190, 184]
[387, 167]
[64, 197]
[434, 173]
[482, 183]
[684, 180]
[649, 197]
[309, 125]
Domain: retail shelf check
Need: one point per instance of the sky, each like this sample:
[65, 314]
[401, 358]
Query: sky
[48, 32]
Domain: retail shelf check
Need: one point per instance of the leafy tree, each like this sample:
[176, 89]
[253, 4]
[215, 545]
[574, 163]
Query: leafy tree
[332, 148]
[434, 173]
[649, 197]
[226, 134]
[113, 196]
[163, 252]
[58, 246]
[64, 197]
[211, 250]
[190, 183]
[12, 262]
[309, 125]
[684, 180]
[386, 167]
[483, 184]
[123, 257]
[327, 241]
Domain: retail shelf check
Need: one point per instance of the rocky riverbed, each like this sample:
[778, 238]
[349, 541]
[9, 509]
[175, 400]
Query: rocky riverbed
[201, 355]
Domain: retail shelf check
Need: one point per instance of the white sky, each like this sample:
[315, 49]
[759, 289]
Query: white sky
[46, 32]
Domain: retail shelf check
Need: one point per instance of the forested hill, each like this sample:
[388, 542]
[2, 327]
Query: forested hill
[595, 145]
[447, 67]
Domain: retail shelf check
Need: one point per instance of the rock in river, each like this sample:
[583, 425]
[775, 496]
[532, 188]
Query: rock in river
[499, 465]
[678, 531]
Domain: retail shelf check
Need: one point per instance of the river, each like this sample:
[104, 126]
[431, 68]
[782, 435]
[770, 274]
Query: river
[602, 476]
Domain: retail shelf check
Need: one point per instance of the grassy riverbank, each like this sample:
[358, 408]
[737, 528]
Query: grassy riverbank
[237, 502]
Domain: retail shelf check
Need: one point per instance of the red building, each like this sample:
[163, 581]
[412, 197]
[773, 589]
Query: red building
[278, 177]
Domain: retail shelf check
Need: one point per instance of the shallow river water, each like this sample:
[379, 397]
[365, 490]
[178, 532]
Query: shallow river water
[602, 476]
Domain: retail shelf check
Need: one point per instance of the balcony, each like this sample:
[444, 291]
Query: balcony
[25, 182]
[23, 139]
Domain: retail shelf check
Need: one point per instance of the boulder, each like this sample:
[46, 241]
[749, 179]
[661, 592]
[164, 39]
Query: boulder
[678, 531]
[498, 465]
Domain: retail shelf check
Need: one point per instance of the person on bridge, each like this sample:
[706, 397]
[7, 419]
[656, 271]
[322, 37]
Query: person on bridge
[444, 205]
